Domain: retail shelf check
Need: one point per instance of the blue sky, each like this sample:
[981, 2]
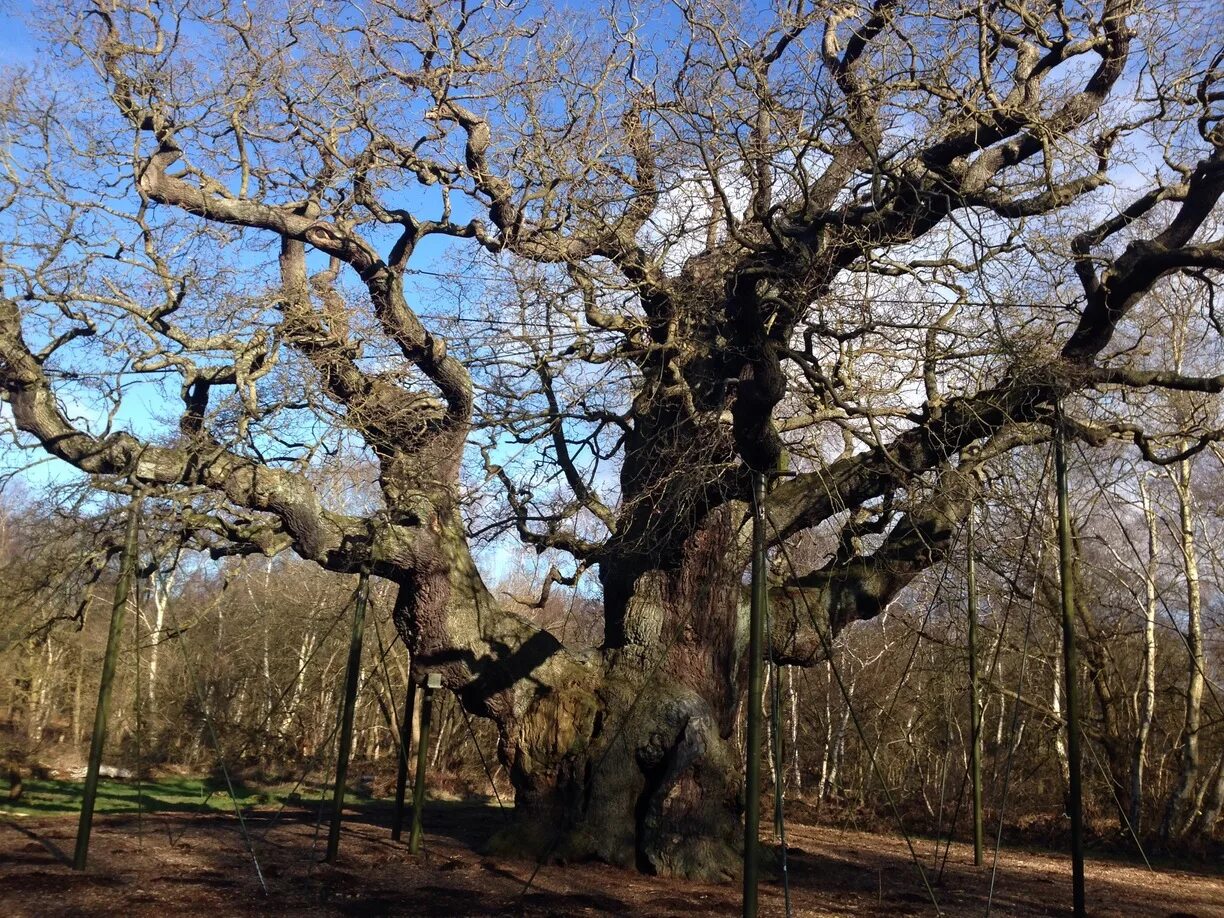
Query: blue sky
[16, 44]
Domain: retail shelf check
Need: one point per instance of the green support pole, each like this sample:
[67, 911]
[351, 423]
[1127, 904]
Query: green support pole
[752, 745]
[351, 677]
[401, 777]
[975, 706]
[1066, 572]
[433, 681]
[127, 564]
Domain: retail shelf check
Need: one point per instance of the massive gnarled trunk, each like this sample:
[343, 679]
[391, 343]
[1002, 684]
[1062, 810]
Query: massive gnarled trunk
[626, 758]
[637, 766]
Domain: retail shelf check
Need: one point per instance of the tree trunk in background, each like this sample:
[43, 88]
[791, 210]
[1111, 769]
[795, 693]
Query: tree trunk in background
[826, 755]
[1116, 742]
[839, 738]
[440, 734]
[1181, 812]
[40, 712]
[417, 703]
[1215, 804]
[162, 584]
[305, 649]
[76, 697]
[1060, 741]
[794, 730]
[1147, 691]
[771, 726]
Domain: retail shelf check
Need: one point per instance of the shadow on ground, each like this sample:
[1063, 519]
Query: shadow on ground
[197, 862]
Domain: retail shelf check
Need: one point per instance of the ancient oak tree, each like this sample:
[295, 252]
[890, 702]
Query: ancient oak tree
[609, 264]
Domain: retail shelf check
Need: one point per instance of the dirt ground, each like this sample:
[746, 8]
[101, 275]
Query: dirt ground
[188, 864]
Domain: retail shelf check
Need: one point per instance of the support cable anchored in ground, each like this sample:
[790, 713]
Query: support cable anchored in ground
[327, 742]
[1096, 758]
[913, 655]
[275, 707]
[1028, 630]
[397, 726]
[313, 762]
[193, 676]
[827, 644]
[467, 719]
[994, 660]
[401, 727]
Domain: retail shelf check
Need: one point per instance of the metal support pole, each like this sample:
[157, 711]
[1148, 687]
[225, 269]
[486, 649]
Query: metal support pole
[127, 564]
[752, 745]
[401, 777]
[1066, 572]
[975, 705]
[351, 676]
[432, 681]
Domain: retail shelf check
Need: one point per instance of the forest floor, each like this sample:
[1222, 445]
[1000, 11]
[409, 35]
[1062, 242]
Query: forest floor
[189, 861]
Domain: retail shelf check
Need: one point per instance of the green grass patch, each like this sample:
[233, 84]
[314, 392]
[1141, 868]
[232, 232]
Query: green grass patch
[164, 795]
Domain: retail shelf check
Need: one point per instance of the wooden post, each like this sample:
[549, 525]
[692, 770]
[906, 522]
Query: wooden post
[975, 706]
[752, 743]
[351, 677]
[432, 681]
[127, 564]
[1066, 572]
[401, 778]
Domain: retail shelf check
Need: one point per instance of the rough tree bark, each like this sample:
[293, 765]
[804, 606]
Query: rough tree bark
[1185, 800]
[1147, 687]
